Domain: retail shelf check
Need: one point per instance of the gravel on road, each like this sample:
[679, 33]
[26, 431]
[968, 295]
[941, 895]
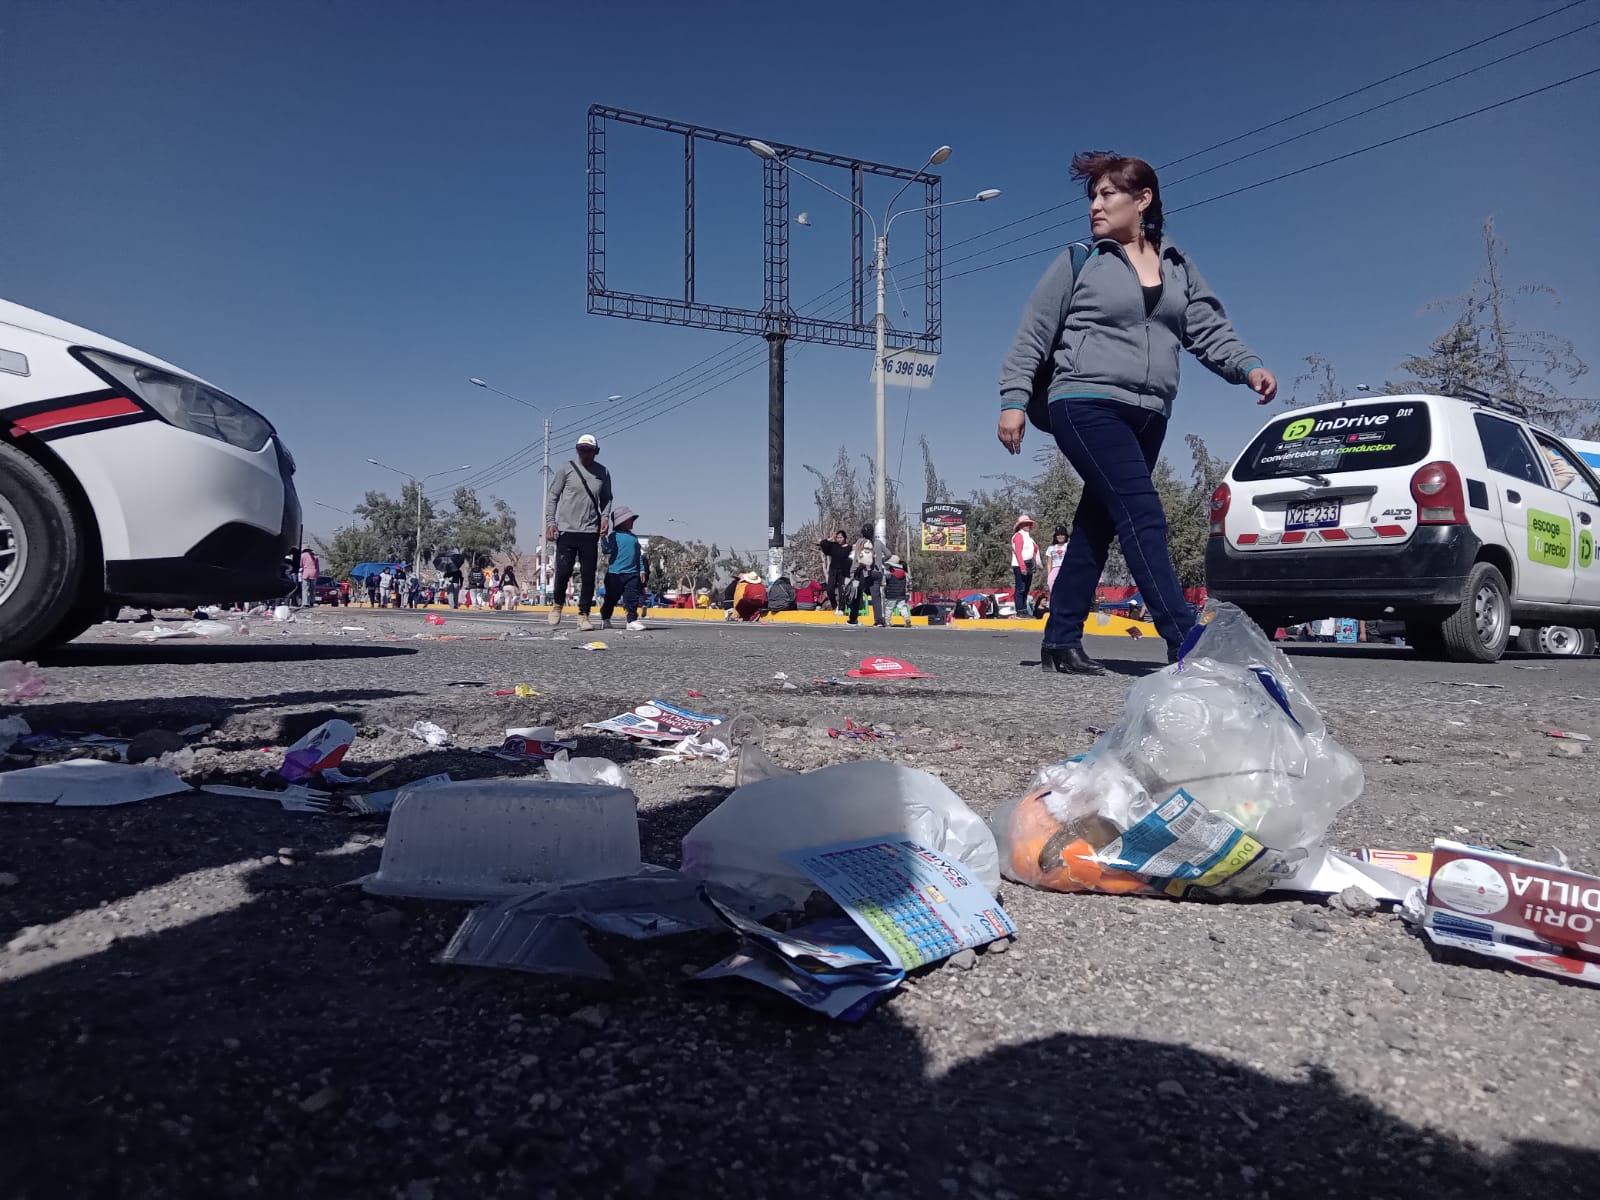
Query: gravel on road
[191, 1003]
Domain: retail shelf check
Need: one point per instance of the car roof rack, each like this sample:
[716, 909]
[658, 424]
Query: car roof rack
[1479, 396]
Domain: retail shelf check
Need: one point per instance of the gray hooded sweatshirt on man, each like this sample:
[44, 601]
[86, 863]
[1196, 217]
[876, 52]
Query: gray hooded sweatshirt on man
[571, 508]
[1105, 347]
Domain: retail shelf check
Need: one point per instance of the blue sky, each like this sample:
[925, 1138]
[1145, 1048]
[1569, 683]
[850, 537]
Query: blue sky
[341, 210]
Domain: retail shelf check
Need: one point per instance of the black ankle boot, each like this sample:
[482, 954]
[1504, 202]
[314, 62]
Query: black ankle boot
[1070, 661]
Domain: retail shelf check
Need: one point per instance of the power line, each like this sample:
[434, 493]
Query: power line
[1044, 212]
[1316, 165]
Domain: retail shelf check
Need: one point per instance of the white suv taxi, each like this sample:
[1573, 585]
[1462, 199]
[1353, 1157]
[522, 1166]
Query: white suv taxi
[125, 479]
[1459, 517]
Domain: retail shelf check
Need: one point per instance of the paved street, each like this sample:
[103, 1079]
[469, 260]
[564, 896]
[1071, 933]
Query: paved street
[201, 1010]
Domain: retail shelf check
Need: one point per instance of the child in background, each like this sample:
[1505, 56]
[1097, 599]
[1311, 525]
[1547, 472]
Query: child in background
[896, 591]
[625, 569]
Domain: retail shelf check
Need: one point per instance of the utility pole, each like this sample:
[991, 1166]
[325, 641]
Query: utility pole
[880, 499]
[775, 375]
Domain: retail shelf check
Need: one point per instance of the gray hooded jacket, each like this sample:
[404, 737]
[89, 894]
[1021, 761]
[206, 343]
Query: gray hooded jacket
[1107, 349]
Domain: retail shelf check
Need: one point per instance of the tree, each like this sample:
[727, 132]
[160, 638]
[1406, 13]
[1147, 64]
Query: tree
[474, 532]
[686, 565]
[1485, 349]
[1319, 375]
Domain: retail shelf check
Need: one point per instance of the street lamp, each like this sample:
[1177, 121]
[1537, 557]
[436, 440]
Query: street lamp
[544, 474]
[419, 480]
[880, 262]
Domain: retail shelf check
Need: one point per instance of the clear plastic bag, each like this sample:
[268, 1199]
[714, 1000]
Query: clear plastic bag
[1219, 776]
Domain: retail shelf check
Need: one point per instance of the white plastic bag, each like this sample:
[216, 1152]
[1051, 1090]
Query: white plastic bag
[741, 843]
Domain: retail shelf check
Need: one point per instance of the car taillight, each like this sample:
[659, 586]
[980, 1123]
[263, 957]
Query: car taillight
[1437, 491]
[1220, 499]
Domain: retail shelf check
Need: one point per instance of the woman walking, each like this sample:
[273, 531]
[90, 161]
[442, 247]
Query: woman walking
[1108, 340]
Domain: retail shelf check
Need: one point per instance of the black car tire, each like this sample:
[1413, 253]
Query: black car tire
[45, 548]
[1478, 631]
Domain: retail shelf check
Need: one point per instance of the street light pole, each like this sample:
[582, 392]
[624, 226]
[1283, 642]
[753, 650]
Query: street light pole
[880, 260]
[419, 480]
[544, 475]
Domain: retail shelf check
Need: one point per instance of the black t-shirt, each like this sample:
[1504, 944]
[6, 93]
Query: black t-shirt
[475, 580]
[1152, 296]
[838, 557]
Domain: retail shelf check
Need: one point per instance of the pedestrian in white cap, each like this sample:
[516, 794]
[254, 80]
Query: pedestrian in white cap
[580, 499]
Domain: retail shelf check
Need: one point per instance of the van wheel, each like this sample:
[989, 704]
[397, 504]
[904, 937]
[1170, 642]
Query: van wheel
[1527, 640]
[1564, 640]
[41, 554]
[1479, 629]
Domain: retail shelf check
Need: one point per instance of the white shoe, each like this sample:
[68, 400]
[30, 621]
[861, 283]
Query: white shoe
[606, 624]
[555, 615]
[636, 626]
[585, 625]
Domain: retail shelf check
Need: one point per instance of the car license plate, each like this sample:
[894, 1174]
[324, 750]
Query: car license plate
[1313, 514]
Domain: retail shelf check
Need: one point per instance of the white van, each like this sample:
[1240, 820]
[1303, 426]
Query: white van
[125, 479]
[1459, 517]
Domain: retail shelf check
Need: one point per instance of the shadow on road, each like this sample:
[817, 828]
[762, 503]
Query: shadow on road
[304, 1044]
[183, 651]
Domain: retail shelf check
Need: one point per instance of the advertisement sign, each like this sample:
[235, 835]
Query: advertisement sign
[944, 528]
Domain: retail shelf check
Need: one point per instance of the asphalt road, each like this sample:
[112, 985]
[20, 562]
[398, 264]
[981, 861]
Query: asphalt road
[191, 1005]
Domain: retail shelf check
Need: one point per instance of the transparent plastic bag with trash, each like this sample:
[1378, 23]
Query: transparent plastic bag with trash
[1219, 778]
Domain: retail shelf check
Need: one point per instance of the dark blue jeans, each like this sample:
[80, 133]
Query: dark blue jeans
[1021, 581]
[1114, 447]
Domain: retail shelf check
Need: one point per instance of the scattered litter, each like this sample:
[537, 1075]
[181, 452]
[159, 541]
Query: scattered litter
[862, 733]
[322, 748]
[12, 728]
[427, 731]
[742, 842]
[657, 721]
[1499, 687]
[594, 646]
[1217, 780]
[694, 695]
[541, 932]
[701, 745]
[1525, 667]
[336, 777]
[368, 804]
[87, 783]
[490, 838]
[565, 769]
[1498, 905]
[914, 905]
[282, 613]
[753, 764]
[877, 667]
[295, 798]
[1571, 737]
[1416, 865]
[57, 741]
[467, 683]
[1094, 731]
[189, 629]
[20, 680]
[829, 966]
[529, 745]
[522, 690]
[781, 675]
[1135, 633]
[1326, 872]
[353, 628]
[434, 619]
